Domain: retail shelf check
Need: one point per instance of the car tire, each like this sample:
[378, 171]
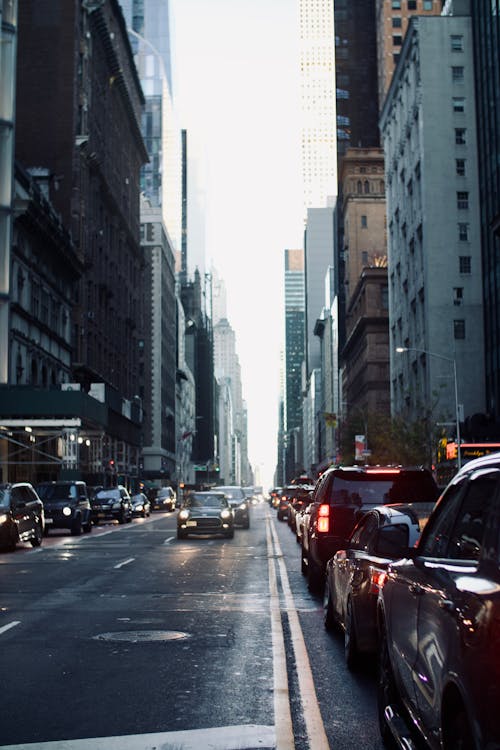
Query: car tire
[11, 544]
[36, 540]
[457, 734]
[315, 579]
[328, 616]
[246, 524]
[229, 534]
[387, 693]
[88, 526]
[121, 517]
[303, 560]
[350, 641]
[181, 534]
[76, 526]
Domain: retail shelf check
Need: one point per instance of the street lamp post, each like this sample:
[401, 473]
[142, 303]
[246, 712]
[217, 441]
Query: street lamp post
[453, 361]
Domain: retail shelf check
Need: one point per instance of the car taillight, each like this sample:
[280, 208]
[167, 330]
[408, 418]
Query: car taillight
[324, 518]
[377, 580]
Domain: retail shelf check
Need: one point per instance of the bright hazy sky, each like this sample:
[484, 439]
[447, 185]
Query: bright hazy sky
[235, 67]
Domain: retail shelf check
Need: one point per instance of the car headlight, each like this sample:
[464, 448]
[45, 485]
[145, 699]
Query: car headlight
[66, 511]
[139, 507]
[183, 515]
[225, 513]
[243, 506]
[3, 518]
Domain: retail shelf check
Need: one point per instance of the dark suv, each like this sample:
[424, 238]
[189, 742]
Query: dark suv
[66, 505]
[341, 497]
[21, 515]
[112, 502]
[439, 623]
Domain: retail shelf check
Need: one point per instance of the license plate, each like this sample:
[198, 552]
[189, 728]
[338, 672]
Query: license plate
[191, 523]
[48, 521]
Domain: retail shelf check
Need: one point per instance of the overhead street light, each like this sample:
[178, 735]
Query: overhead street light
[401, 349]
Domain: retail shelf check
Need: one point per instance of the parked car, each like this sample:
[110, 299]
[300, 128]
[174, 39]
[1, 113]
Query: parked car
[162, 498]
[114, 503]
[439, 623]
[353, 575]
[21, 515]
[140, 505]
[66, 506]
[341, 497]
[239, 504]
[301, 497]
[205, 513]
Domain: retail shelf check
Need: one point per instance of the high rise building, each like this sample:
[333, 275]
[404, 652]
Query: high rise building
[428, 127]
[317, 94]
[486, 34]
[294, 336]
[161, 178]
[392, 18]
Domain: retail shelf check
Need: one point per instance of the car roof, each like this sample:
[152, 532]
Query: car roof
[491, 460]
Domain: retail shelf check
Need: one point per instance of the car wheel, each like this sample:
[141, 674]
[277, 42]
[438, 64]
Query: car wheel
[36, 540]
[11, 543]
[181, 534]
[96, 522]
[76, 526]
[129, 518]
[246, 524]
[387, 694]
[229, 534]
[315, 579]
[350, 642]
[88, 526]
[328, 616]
[303, 560]
[457, 734]
[121, 516]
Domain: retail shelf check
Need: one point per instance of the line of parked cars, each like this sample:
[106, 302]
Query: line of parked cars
[28, 513]
[412, 577]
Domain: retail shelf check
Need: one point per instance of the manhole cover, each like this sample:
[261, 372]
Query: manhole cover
[140, 636]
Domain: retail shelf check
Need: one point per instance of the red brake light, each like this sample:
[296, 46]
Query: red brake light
[377, 581]
[383, 471]
[324, 518]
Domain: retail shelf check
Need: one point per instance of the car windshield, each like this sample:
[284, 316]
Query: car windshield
[108, 494]
[373, 489]
[205, 501]
[233, 493]
[56, 491]
[4, 497]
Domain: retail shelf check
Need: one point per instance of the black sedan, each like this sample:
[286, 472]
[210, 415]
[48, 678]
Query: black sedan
[354, 574]
[205, 513]
[21, 515]
[140, 505]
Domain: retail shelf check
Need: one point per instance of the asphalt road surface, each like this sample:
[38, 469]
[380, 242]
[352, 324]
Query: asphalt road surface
[128, 639]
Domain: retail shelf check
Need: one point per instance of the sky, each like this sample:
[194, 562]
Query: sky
[236, 91]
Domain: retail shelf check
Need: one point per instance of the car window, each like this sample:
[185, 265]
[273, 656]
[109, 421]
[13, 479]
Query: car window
[392, 540]
[457, 530]
[365, 530]
[435, 537]
[467, 536]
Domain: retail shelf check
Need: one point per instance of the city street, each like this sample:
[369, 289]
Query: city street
[129, 638]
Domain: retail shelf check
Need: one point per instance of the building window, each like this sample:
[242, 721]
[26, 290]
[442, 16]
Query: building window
[460, 167]
[397, 22]
[427, 5]
[412, 4]
[396, 4]
[465, 265]
[459, 329]
[367, 187]
[35, 300]
[360, 187]
[462, 200]
[457, 43]
[457, 73]
[458, 104]
[364, 222]
[463, 232]
[397, 40]
[460, 136]
[458, 295]
[395, 58]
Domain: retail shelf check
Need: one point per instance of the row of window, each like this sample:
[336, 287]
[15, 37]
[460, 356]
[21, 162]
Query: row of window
[412, 4]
